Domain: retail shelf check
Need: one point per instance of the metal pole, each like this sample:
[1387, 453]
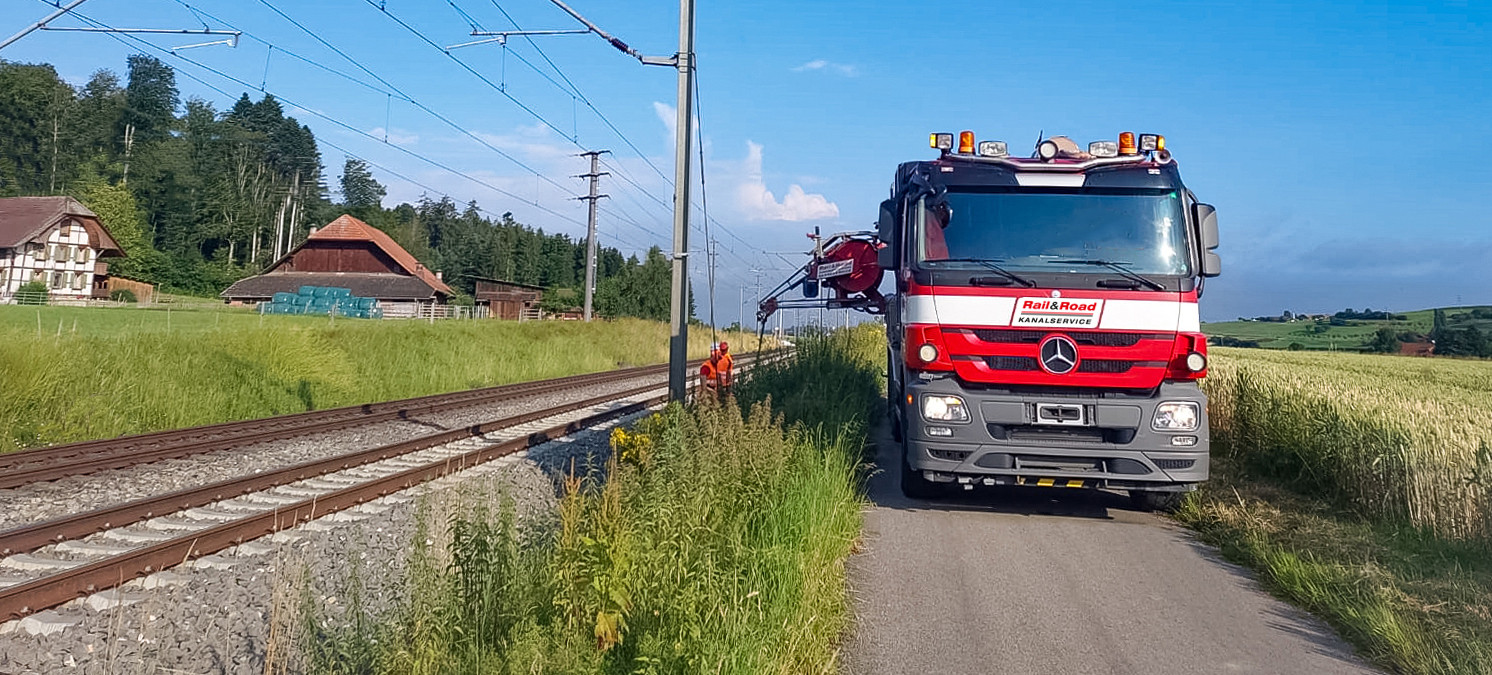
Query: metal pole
[590, 238]
[678, 352]
[683, 61]
[27, 30]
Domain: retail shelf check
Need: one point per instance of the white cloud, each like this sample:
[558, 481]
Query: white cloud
[393, 136]
[668, 115]
[758, 203]
[830, 66]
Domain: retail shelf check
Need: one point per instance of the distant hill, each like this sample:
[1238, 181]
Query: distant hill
[1318, 332]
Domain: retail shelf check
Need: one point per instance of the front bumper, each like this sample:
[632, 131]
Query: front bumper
[1111, 445]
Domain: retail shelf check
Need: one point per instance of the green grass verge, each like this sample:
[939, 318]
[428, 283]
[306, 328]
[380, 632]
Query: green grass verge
[123, 372]
[1407, 600]
[716, 544]
[1357, 487]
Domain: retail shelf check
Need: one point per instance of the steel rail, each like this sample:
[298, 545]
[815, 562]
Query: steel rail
[50, 591]
[28, 538]
[252, 427]
[51, 463]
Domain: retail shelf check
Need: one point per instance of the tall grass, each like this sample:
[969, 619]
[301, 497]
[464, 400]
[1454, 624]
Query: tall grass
[714, 542]
[1397, 439]
[69, 387]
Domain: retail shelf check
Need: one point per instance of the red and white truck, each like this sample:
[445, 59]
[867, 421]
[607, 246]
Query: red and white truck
[1043, 328]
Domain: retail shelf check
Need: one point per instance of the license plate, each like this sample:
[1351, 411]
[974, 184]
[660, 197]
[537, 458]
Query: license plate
[1060, 414]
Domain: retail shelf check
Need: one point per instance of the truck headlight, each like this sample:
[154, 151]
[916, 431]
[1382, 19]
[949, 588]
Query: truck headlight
[1176, 416]
[937, 408]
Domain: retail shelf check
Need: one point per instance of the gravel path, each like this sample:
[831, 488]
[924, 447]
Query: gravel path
[1050, 580]
[235, 612]
[42, 501]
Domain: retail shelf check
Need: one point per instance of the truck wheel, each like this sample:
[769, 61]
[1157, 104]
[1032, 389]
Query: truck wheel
[1150, 500]
[914, 486]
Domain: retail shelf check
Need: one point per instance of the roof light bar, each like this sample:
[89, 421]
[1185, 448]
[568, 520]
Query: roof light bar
[1127, 144]
[965, 142]
[993, 149]
[1047, 150]
[1103, 149]
[942, 142]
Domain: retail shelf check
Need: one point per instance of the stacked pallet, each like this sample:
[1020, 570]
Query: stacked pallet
[324, 300]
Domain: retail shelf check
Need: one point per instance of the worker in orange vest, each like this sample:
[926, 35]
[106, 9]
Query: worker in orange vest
[725, 369]
[709, 373]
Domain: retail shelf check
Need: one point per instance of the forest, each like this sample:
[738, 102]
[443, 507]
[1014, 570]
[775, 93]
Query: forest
[200, 198]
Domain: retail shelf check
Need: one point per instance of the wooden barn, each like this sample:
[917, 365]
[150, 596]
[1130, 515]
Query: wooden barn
[349, 253]
[54, 240]
[507, 299]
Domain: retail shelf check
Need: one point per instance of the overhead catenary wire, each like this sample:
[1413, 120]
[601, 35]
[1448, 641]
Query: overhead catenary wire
[435, 163]
[390, 90]
[382, 7]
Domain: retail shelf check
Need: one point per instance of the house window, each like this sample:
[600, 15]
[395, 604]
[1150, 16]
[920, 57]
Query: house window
[57, 281]
[82, 256]
[4, 276]
[78, 279]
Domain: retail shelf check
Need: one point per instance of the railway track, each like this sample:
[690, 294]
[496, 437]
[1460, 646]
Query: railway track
[71, 459]
[46, 564]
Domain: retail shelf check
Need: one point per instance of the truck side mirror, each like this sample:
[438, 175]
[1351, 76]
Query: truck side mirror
[1205, 216]
[886, 230]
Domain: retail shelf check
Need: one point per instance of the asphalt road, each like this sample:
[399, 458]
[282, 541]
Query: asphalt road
[1041, 580]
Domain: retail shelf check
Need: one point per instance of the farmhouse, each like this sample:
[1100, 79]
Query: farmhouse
[55, 240]
[349, 253]
[507, 299]
[1421, 348]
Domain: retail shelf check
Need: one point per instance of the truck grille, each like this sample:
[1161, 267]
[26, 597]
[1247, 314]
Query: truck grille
[1036, 434]
[1011, 363]
[1027, 363]
[1104, 366]
[1094, 339]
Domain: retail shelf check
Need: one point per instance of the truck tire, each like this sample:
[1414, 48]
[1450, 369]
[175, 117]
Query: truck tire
[893, 404]
[1151, 500]
[913, 485]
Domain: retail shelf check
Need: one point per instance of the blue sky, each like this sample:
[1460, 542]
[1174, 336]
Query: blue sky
[1344, 144]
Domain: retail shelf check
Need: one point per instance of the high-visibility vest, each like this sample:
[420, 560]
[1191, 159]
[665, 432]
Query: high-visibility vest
[727, 370]
[708, 375]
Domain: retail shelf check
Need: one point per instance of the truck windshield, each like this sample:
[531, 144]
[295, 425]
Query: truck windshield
[1142, 230]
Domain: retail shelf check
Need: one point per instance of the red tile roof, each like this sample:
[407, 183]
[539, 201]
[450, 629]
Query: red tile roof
[23, 219]
[347, 228]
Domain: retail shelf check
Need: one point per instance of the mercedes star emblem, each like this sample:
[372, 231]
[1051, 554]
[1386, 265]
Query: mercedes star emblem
[1059, 355]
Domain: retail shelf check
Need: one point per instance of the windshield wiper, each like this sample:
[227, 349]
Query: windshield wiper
[991, 266]
[1117, 267]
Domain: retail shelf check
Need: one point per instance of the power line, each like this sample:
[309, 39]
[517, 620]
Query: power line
[391, 91]
[328, 118]
[502, 90]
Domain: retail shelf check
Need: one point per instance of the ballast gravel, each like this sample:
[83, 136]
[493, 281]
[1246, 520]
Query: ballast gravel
[239, 611]
[43, 501]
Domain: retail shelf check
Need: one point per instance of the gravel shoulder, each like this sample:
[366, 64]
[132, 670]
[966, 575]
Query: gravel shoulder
[1043, 581]
[239, 611]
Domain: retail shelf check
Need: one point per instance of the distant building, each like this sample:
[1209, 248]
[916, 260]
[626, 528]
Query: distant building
[349, 253]
[507, 299]
[1424, 348]
[54, 240]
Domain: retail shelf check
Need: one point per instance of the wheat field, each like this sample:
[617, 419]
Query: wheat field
[1396, 438]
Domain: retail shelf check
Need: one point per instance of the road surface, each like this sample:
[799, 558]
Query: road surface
[1020, 581]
